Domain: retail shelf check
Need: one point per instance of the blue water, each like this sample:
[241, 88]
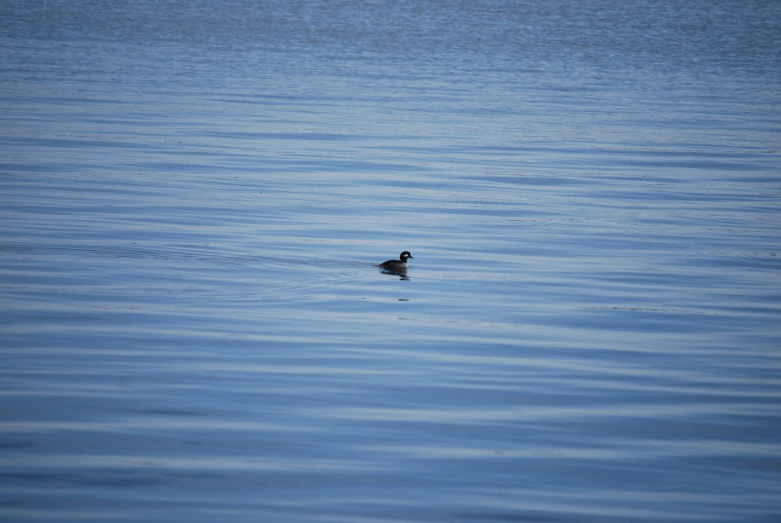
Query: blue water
[194, 195]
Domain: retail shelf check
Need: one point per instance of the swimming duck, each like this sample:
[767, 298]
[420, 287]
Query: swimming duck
[397, 265]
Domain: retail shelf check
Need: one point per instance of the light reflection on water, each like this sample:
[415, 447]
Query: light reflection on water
[190, 299]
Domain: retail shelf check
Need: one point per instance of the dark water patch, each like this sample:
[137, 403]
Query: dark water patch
[112, 479]
[11, 444]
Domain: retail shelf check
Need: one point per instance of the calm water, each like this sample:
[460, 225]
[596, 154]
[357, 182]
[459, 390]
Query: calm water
[194, 195]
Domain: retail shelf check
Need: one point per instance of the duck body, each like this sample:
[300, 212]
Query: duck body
[397, 265]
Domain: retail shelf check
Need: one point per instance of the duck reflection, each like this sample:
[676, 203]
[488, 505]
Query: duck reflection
[401, 272]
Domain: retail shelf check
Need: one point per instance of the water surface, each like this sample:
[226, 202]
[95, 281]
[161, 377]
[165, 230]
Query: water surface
[194, 197]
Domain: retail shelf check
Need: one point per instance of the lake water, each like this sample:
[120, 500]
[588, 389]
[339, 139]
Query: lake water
[194, 196]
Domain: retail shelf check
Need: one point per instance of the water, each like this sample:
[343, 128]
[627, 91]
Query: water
[194, 195]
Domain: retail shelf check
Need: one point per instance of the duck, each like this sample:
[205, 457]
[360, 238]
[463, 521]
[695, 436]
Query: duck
[397, 265]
